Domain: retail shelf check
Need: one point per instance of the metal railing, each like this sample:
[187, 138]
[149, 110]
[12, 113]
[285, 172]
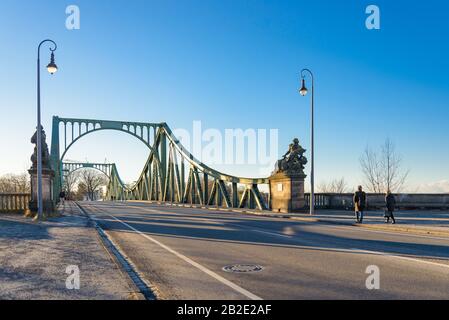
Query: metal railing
[14, 202]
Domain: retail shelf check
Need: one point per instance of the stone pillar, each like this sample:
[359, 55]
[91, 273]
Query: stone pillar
[287, 181]
[47, 190]
[287, 192]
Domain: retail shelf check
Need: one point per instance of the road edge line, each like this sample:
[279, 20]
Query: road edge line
[214, 275]
[122, 262]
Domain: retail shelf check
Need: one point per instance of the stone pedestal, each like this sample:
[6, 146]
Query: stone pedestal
[287, 192]
[47, 190]
[47, 177]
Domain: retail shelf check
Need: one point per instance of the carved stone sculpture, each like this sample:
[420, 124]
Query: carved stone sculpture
[45, 153]
[287, 181]
[47, 178]
[293, 161]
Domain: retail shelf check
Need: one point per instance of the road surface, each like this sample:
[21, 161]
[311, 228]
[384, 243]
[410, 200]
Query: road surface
[182, 252]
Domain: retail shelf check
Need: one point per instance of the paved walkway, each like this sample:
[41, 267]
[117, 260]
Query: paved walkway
[34, 257]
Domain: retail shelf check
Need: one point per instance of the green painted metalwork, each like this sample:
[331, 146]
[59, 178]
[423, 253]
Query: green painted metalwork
[73, 129]
[164, 177]
[69, 167]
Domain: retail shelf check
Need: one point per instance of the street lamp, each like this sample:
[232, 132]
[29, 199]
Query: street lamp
[52, 68]
[303, 91]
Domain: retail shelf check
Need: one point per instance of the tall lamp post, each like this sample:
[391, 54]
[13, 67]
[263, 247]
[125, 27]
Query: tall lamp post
[303, 92]
[52, 68]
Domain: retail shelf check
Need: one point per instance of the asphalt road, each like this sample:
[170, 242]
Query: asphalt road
[182, 252]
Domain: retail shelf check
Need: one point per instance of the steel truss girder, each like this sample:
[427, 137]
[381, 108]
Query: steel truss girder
[163, 176]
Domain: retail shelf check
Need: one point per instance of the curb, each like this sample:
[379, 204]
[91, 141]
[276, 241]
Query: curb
[142, 291]
[409, 230]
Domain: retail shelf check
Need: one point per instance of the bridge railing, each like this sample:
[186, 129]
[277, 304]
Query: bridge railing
[377, 201]
[14, 202]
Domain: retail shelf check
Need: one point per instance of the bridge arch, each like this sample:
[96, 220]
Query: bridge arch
[171, 173]
[70, 167]
[73, 129]
[91, 126]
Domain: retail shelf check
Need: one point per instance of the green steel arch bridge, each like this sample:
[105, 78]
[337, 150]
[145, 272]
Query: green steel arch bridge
[170, 174]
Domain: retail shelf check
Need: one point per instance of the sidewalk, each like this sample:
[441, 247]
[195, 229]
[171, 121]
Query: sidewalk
[34, 257]
[413, 221]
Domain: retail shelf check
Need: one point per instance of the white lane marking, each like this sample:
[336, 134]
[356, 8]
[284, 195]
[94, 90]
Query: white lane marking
[402, 257]
[267, 232]
[193, 263]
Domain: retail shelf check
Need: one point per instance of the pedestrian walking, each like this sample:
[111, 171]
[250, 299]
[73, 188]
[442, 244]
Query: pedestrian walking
[390, 203]
[359, 204]
[62, 197]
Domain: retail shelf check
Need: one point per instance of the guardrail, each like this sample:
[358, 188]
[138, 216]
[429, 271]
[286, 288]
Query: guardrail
[376, 201]
[14, 202]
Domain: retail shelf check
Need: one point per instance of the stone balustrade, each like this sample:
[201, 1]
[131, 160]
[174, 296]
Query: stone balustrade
[376, 201]
[14, 202]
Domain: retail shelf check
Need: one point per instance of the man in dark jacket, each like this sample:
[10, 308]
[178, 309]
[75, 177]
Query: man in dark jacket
[390, 203]
[359, 204]
[62, 197]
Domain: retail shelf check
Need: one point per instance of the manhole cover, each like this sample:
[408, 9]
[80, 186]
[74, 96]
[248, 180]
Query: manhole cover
[243, 268]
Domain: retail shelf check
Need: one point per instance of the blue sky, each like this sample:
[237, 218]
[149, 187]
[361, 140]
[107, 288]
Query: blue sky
[235, 64]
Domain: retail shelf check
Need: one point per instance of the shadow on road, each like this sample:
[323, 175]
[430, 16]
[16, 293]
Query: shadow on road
[227, 227]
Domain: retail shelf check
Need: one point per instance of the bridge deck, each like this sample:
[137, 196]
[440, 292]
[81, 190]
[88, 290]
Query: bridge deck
[182, 251]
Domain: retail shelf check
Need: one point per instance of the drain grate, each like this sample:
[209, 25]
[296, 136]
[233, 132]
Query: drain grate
[243, 268]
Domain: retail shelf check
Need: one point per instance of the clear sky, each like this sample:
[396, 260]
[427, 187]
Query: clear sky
[235, 64]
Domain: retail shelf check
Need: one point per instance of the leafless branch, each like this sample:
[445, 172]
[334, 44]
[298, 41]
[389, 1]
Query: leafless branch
[383, 170]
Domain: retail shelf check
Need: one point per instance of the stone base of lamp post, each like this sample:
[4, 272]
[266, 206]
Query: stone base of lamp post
[287, 192]
[47, 192]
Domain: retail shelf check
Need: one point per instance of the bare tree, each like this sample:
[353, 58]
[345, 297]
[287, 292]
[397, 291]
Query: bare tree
[383, 170]
[339, 185]
[371, 170]
[81, 191]
[70, 184]
[335, 186]
[15, 183]
[92, 180]
[393, 177]
[323, 187]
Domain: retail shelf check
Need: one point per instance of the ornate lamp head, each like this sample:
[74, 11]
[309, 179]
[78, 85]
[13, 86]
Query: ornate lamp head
[303, 90]
[52, 67]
